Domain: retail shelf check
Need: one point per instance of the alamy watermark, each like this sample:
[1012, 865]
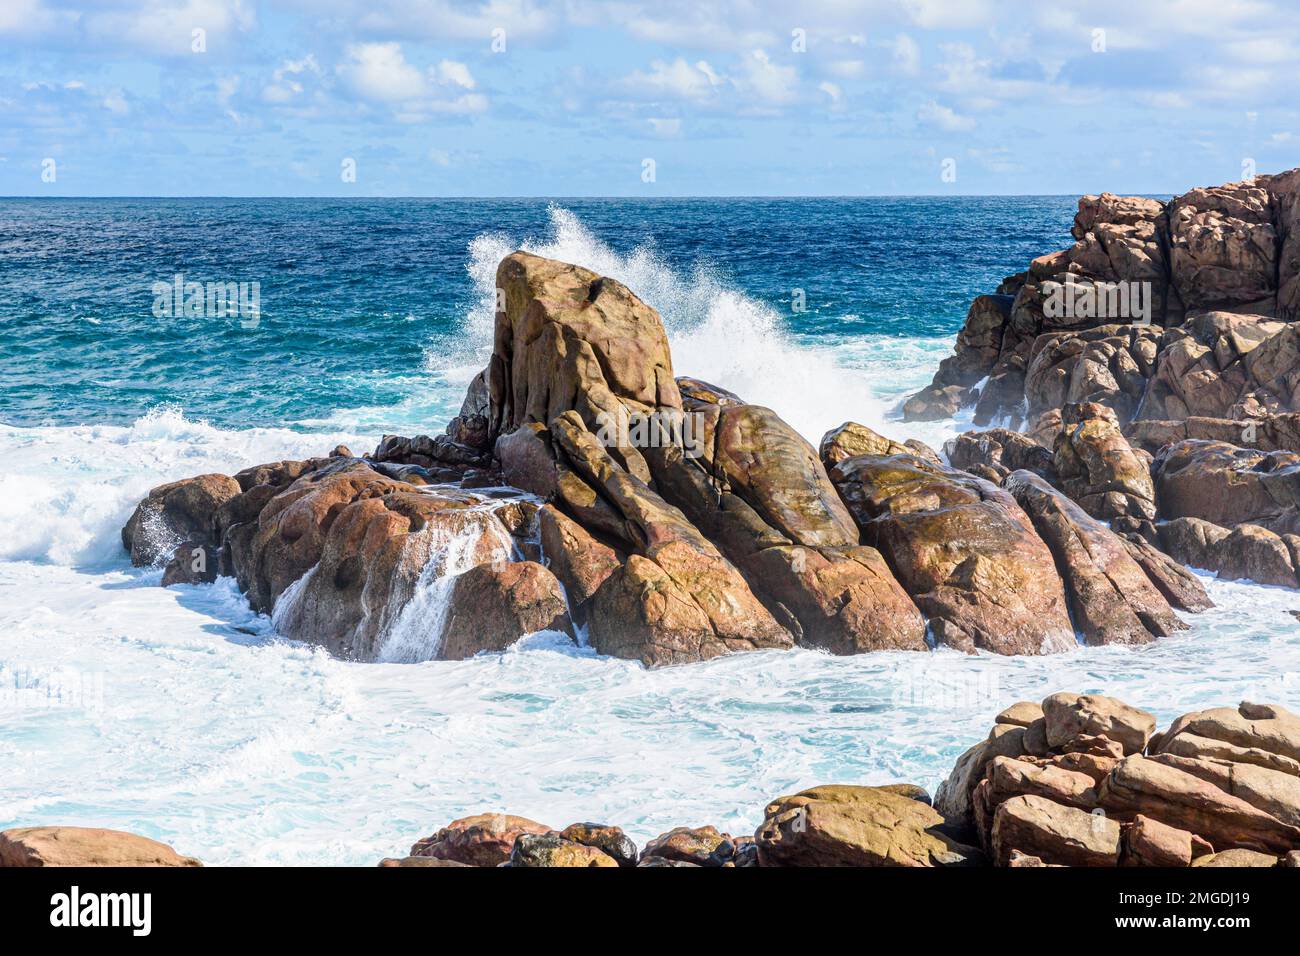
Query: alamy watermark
[212, 300]
[1124, 299]
[657, 429]
[42, 689]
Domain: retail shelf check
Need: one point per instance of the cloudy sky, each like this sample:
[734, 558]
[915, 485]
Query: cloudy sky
[754, 97]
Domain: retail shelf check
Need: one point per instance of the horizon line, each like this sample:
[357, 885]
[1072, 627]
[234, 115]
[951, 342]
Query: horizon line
[595, 197]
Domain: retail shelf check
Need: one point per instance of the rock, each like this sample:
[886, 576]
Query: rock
[1223, 248]
[1019, 860]
[1266, 728]
[1021, 714]
[552, 849]
[485, 839]
[1097, 467]
[852, 439]
[660, 861]
[1252, 553]
[1181, 799]
[1237, 858]
[1008, 777]
[194, 562]
[1054, 833]
[1002, 451]
[979, 343]
[174, 513]
[701, 846]
[608, 839]
[1109, 366]
[1112, 601]
[1227, 485]
[1275, 792]
[856, 826]
[568, 340]
[964, 551]
[1149, 842]
[1284, 188]
[528, 461]
[1192, 541]
[341, 451]
[935, 403]
[580, 561]
[678, 599]
[84, 846]
[1182, 589]
[953, 798]
[492, 606]
[1070, 715]
[391, 861]
[1224, 365]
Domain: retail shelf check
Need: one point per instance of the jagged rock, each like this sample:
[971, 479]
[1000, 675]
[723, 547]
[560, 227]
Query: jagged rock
[580, 561]
[1096, 466]
[1223, 248]
[84, 846]
[492, 605]
[1284, 188]
[676, 600]
[1227, 485]
[1225, 365]
[1112, 601]
[608, 839]
[935, 403]
[964, 551]
[1266, 728]
[1193, 541]
[553, 849]
[953, 798]
[1000, 451]
[174, 513]
[1054, 833]
[528, 460]
[1108, 365]
[1071, 715]
[979, 343]
[569, 340]
[852, 439]
[485, 839]
[856, 826]
[702, 846]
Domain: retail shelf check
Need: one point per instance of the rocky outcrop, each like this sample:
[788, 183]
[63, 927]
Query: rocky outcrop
[173, 514]
[1111, 599]
[1228, 485]
[1089, 784]
[84, 846]
[963, 549]
[1109, 365]
[1096, 466]
[484, 839]
[995, 453]
[852, 439]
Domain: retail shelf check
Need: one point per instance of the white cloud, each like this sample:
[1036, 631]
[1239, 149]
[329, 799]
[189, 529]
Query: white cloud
[833, 91]
[906, 54]
[676, 80]
[379, 71]
[770, 82]
[287, 84]
[943, 117]
[665, 128]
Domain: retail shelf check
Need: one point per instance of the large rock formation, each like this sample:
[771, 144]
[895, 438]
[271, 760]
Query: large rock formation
[964, 550]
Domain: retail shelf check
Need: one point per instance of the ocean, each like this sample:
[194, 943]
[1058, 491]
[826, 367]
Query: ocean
[180, 714]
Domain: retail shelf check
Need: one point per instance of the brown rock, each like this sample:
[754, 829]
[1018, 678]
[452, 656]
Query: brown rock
[553, 850]
[1054, 833]
[855, 826]
[1237, 858]
[1097, 467]
[702, 846]
[1070, 715]
[852, 439]
[84, 846]
[1020, 714]
[484, 839]
[608, 839]
[1000, 450]
[580, 561]
[1148, 842]
[1223, 248]
[953, 799]
[174, 513]
[492, 606]
[965, 552]
[1227, 485]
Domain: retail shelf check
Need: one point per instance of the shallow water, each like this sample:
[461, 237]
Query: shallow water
[179, 713]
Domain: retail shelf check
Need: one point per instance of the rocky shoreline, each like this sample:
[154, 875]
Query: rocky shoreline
[586, 489]
[1076, 780]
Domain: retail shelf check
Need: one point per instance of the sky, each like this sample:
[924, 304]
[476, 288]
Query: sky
[630, 98]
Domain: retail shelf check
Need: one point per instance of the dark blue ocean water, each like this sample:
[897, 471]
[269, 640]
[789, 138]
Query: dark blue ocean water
[359, 299]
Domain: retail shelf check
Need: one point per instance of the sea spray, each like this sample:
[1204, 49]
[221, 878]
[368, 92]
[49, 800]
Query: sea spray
[416, 634]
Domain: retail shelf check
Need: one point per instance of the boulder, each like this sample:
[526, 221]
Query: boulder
[1054, 833]
[580, 561]
[1111, 599]
[84, 846]
[852, 439]
[174, 513]
[485, 839]
[856, 826]
[553, 849]
[701, 846]
[1237, 858]
[963, 549]
[194, 562]
[1071, 715]
[1108, 365]
[1228, 485]
[1097, 467]
[491, 606]
[1148, 842]
[953, 799]
[610, 840]
[1000, 451]
[1266, 728]
[1223, 248]
[935, 403]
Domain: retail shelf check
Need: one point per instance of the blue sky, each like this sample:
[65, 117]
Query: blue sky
[517, 97]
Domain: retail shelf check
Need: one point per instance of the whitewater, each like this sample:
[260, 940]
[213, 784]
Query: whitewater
[181, 714]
